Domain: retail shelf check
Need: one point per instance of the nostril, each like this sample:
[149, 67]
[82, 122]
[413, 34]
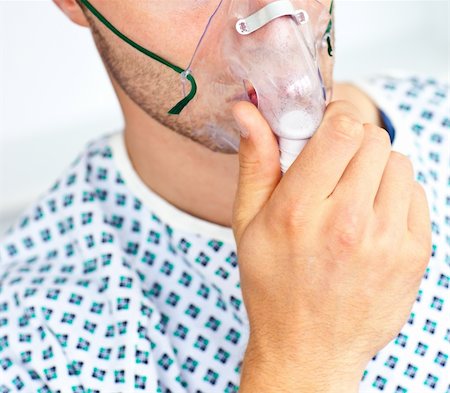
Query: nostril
[251, 92]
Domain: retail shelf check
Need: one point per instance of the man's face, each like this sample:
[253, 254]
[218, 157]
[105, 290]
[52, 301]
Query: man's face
[170, 29]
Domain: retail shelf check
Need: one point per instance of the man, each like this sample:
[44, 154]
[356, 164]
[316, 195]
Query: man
[124, 276]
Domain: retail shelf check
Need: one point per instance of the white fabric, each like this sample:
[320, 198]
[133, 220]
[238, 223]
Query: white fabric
[105, 287]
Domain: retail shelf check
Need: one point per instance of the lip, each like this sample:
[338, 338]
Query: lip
[248, 94]
[238, 97]
[251, 92]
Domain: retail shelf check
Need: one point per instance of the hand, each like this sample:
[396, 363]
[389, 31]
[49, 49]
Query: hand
[331, 255]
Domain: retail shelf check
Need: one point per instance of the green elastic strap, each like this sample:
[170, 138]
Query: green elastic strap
[328, 31]
[176, 110]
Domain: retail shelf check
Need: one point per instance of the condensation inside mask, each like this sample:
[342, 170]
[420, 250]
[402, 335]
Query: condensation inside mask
[279, 66]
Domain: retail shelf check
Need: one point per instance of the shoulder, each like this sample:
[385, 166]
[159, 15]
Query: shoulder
[44, 228]
[418, 108]
[421, 99]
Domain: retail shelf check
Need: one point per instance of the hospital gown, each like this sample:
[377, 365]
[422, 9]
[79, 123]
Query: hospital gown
[106, 287]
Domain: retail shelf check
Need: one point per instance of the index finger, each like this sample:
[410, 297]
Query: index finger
[317, 170]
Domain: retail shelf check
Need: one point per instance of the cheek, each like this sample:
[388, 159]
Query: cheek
[171, 29]
[180, 38]
[326, 3]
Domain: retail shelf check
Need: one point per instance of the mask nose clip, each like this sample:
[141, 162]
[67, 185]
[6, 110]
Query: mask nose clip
[268, 13]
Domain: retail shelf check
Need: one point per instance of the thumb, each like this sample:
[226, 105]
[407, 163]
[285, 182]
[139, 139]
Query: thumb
[259, 166]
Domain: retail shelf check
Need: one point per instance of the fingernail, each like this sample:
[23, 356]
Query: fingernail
[243, 131]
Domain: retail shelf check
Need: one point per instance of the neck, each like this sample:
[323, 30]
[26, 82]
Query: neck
[186, 174]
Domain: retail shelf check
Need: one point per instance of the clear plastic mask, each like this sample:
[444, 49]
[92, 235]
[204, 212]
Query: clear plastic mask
[270, 53]
[276, 54]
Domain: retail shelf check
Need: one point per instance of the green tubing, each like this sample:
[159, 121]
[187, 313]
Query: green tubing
[328, 31]
[176, 110]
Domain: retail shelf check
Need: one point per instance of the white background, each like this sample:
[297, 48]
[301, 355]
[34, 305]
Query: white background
[55, 95]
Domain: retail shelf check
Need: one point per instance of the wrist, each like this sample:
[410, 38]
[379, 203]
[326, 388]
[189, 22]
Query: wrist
[282, 372]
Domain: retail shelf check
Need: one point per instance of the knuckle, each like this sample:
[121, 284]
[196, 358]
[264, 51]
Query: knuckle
[347, 229]
[400, 158]
[424, 254]
[378, 135]
[419, 194]
[401, 162]
[345, 126]
[347, 236]
[425, 249]
[419, 263]
[418, 189]
[418, 256]
[293, 221]
[290, 228]
[342, 106]
[248, 165]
